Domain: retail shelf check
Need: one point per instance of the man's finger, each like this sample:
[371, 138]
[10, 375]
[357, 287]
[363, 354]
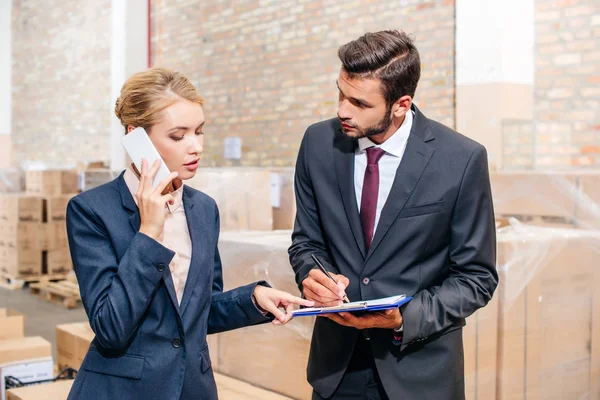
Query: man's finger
[322, 291]
[337, 319]
[342, 280]
[316, 292]
[320, 301]
[324, 280]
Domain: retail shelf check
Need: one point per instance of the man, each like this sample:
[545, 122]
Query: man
[391, 203]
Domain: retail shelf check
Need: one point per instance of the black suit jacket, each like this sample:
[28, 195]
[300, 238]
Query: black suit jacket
[435, 241]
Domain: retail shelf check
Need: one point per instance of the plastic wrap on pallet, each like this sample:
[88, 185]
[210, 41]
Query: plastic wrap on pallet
[536, 197]
[242, 194]
[555, 199]
[12, 180]
[284, 209]
[278, 356]
[549, 313]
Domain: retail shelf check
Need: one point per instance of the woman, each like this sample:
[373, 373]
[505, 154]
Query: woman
[148, 265]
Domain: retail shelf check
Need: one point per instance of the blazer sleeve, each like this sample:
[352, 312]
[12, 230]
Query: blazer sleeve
[115, 294]
[307, 237]
[234, 308]
[473, 277]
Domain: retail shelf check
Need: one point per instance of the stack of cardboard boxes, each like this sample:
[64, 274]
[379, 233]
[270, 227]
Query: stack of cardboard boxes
[33, 235]
[27, 359]
[250, 199]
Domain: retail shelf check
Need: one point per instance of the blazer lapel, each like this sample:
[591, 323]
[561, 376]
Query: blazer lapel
[197, 222]
[343, 153]
[134, 220]
[414, 161]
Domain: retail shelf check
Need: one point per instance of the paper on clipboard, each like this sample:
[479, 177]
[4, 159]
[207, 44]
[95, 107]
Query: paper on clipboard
[385, 303]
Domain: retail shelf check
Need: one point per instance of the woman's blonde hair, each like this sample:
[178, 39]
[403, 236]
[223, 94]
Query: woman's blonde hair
[146, 94]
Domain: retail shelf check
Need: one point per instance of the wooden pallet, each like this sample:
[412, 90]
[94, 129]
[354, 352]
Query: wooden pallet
[16, 283]
[62, 292]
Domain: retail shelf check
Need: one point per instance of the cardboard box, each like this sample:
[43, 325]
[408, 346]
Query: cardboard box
[17, 263]
[51, 182]
[12, 180]
[12, 324]
[284, 211]
[94, 177]
[549, 314]
[24, 235]
[55, 207]
[27, 359]
[21, 208]
[535, 194]
[278, 356]
[59, 261]
[56, 233]
[72, 344]
[58, 390]
[480, 337]
[242, 195]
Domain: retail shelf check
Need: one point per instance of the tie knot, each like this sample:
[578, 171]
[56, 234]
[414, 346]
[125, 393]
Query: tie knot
[374, 154]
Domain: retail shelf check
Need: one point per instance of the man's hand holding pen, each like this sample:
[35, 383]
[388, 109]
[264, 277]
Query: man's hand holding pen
[327, 289]
[324, 291]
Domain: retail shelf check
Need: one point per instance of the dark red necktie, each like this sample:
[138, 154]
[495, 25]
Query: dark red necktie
[370, 192]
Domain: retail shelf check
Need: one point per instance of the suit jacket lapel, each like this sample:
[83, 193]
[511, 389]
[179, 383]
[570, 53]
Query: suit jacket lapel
[414, 161]
[197, 222]
[343, 153]
[134, 220]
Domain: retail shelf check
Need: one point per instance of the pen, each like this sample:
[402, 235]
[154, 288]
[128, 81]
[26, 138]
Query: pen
[322, 268]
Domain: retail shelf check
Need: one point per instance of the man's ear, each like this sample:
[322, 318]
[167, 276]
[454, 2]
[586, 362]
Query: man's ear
[402, 106]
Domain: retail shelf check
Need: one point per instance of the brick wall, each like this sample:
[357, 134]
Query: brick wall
[61, 80]
[267, 68]
[567, 87]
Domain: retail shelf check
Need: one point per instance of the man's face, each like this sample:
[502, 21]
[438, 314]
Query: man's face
[362, 109]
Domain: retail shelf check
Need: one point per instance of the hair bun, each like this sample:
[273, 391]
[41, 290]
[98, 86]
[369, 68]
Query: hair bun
[118, 107]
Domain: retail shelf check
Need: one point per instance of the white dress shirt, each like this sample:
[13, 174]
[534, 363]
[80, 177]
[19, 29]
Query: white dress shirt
[388, 164]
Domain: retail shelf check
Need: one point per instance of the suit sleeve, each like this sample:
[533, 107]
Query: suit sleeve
[473, 277]
[234, 308]
[307, 237]
[115, 294]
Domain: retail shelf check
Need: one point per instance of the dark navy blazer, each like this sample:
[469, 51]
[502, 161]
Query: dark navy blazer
[147, 346]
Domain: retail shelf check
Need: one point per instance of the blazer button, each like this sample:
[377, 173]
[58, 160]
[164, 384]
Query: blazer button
[177, 343]
[160, 267]
[366, 281]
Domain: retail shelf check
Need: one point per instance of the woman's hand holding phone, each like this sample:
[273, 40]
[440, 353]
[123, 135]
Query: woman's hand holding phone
[151, 202]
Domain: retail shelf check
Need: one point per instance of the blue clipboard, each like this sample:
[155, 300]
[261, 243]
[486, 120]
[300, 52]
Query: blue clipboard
[386, 303]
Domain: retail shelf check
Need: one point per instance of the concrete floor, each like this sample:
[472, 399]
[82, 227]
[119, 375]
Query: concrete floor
[41, 316]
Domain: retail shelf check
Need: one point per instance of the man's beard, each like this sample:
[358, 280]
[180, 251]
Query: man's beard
[377, 129]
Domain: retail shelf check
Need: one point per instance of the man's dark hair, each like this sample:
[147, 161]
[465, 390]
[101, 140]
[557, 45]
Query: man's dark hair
[389, 56]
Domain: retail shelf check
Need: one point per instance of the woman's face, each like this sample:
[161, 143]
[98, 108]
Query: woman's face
[178, 137]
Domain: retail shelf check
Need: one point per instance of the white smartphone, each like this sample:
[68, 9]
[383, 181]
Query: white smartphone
[138, 146]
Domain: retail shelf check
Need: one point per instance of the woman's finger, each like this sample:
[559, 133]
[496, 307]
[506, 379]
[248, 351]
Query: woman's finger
[163, 184]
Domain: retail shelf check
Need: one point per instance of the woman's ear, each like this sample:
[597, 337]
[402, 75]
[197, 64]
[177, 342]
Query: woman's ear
[130, 128]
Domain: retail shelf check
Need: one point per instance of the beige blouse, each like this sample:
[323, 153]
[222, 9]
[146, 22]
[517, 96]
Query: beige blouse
[176, 235]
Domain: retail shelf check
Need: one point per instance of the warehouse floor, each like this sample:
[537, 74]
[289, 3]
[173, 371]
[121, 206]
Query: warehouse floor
[41, 318]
